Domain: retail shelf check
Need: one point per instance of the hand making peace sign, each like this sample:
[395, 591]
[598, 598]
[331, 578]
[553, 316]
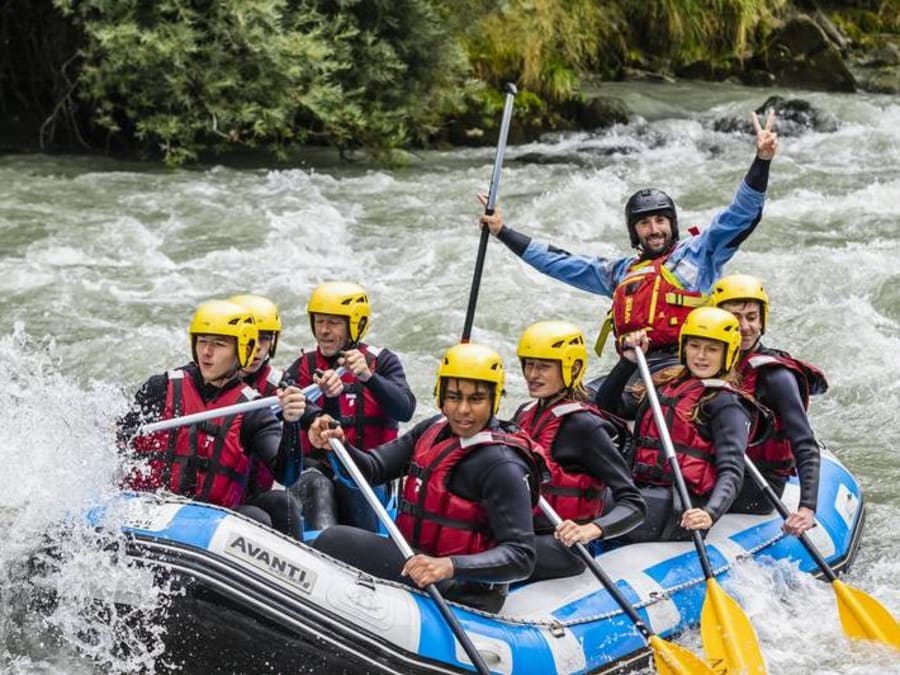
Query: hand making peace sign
[766, 139]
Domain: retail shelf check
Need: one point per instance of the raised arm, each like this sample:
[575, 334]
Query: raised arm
[587, 273]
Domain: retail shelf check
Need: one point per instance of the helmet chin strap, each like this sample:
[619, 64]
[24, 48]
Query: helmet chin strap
[754, 346]
[235, 370]
[550, 400]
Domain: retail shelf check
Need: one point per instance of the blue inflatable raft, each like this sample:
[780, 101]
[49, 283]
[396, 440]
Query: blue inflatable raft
[251, 593]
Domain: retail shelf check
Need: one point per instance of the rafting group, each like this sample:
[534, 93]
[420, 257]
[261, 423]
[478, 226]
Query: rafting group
[696, 419]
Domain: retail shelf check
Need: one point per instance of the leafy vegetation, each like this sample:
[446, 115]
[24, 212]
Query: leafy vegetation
[176, 78]
[181, 76]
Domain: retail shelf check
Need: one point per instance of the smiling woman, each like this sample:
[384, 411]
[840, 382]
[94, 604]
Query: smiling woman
[711, 423]
[704, 358]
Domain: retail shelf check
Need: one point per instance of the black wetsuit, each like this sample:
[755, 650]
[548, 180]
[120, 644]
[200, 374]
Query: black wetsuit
[725, 419]
[261, 435]
[777, 389]
[495, 476]
[582, 445]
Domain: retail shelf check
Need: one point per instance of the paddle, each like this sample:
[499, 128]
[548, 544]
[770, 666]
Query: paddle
[668, 657]
[862, 616]
[312, 392]
[728, 636]
[489, 209]
[406, 550]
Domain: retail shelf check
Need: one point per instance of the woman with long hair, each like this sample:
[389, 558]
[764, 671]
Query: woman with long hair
[587, 481]
[710, 422]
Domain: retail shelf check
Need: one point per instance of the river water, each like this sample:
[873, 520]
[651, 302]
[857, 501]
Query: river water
[102, 263]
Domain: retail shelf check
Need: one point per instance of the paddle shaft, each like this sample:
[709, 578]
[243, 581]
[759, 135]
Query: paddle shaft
[407, 552]
[489, 209]
[598, 572]
[680, 485]
[773, 498]
[312, 392]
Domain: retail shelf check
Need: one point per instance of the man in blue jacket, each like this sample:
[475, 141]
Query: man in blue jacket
[656, 288]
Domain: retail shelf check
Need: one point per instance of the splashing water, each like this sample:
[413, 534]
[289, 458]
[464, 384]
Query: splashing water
[59, 578]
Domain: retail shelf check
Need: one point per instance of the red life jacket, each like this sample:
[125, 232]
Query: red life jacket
[774, 455]
[265, 381]
[574, 496]
[433, 519]
[205, 461]
[695, 452]
[365, 423]
[650, 296]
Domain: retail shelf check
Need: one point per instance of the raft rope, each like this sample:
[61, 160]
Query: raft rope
[553, 625]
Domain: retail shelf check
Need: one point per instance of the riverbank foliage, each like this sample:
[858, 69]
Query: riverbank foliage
[174, 79]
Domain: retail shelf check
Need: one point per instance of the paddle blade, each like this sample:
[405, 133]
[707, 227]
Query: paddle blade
[863, 617]
[671, 659]
[729, 640]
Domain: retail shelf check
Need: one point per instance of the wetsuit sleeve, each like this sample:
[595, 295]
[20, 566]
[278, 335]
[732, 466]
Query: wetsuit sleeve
[389, 387]
[311, 413]
[499, 479]
[609, 394]
[729, 426]
[148, 405]
[515, 241]
[261, 436]
[758, 174]
[780, 391]
[582, 445]
[389, 460]
[289, 463]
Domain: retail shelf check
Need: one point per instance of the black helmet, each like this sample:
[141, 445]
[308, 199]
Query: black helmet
[649, 202]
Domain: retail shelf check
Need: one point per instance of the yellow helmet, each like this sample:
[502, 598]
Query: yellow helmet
[342, 298]
[712, 323]
[220, 317]
[555, 341]
[266, 314]
[470, 361]
[741, 287]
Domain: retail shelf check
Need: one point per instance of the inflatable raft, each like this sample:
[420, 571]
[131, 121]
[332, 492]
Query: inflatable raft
[250, 593]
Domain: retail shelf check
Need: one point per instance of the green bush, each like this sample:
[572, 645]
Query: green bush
[178, 77]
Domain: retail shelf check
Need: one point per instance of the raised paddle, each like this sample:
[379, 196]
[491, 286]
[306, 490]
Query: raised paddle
[312, 392]
[669, 658]
[511, 92]
[862, 616]
[406, 550]
[727, 634]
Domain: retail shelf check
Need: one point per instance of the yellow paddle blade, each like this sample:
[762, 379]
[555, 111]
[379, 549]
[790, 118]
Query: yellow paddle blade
[729, 640]
[863, 617]
[671, 659]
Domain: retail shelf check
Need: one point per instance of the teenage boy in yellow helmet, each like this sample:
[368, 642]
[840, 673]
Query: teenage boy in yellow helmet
[783, 384]
[267, 380]
[260, 374]
[369, 400]
[210, 461]
[469, 490]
